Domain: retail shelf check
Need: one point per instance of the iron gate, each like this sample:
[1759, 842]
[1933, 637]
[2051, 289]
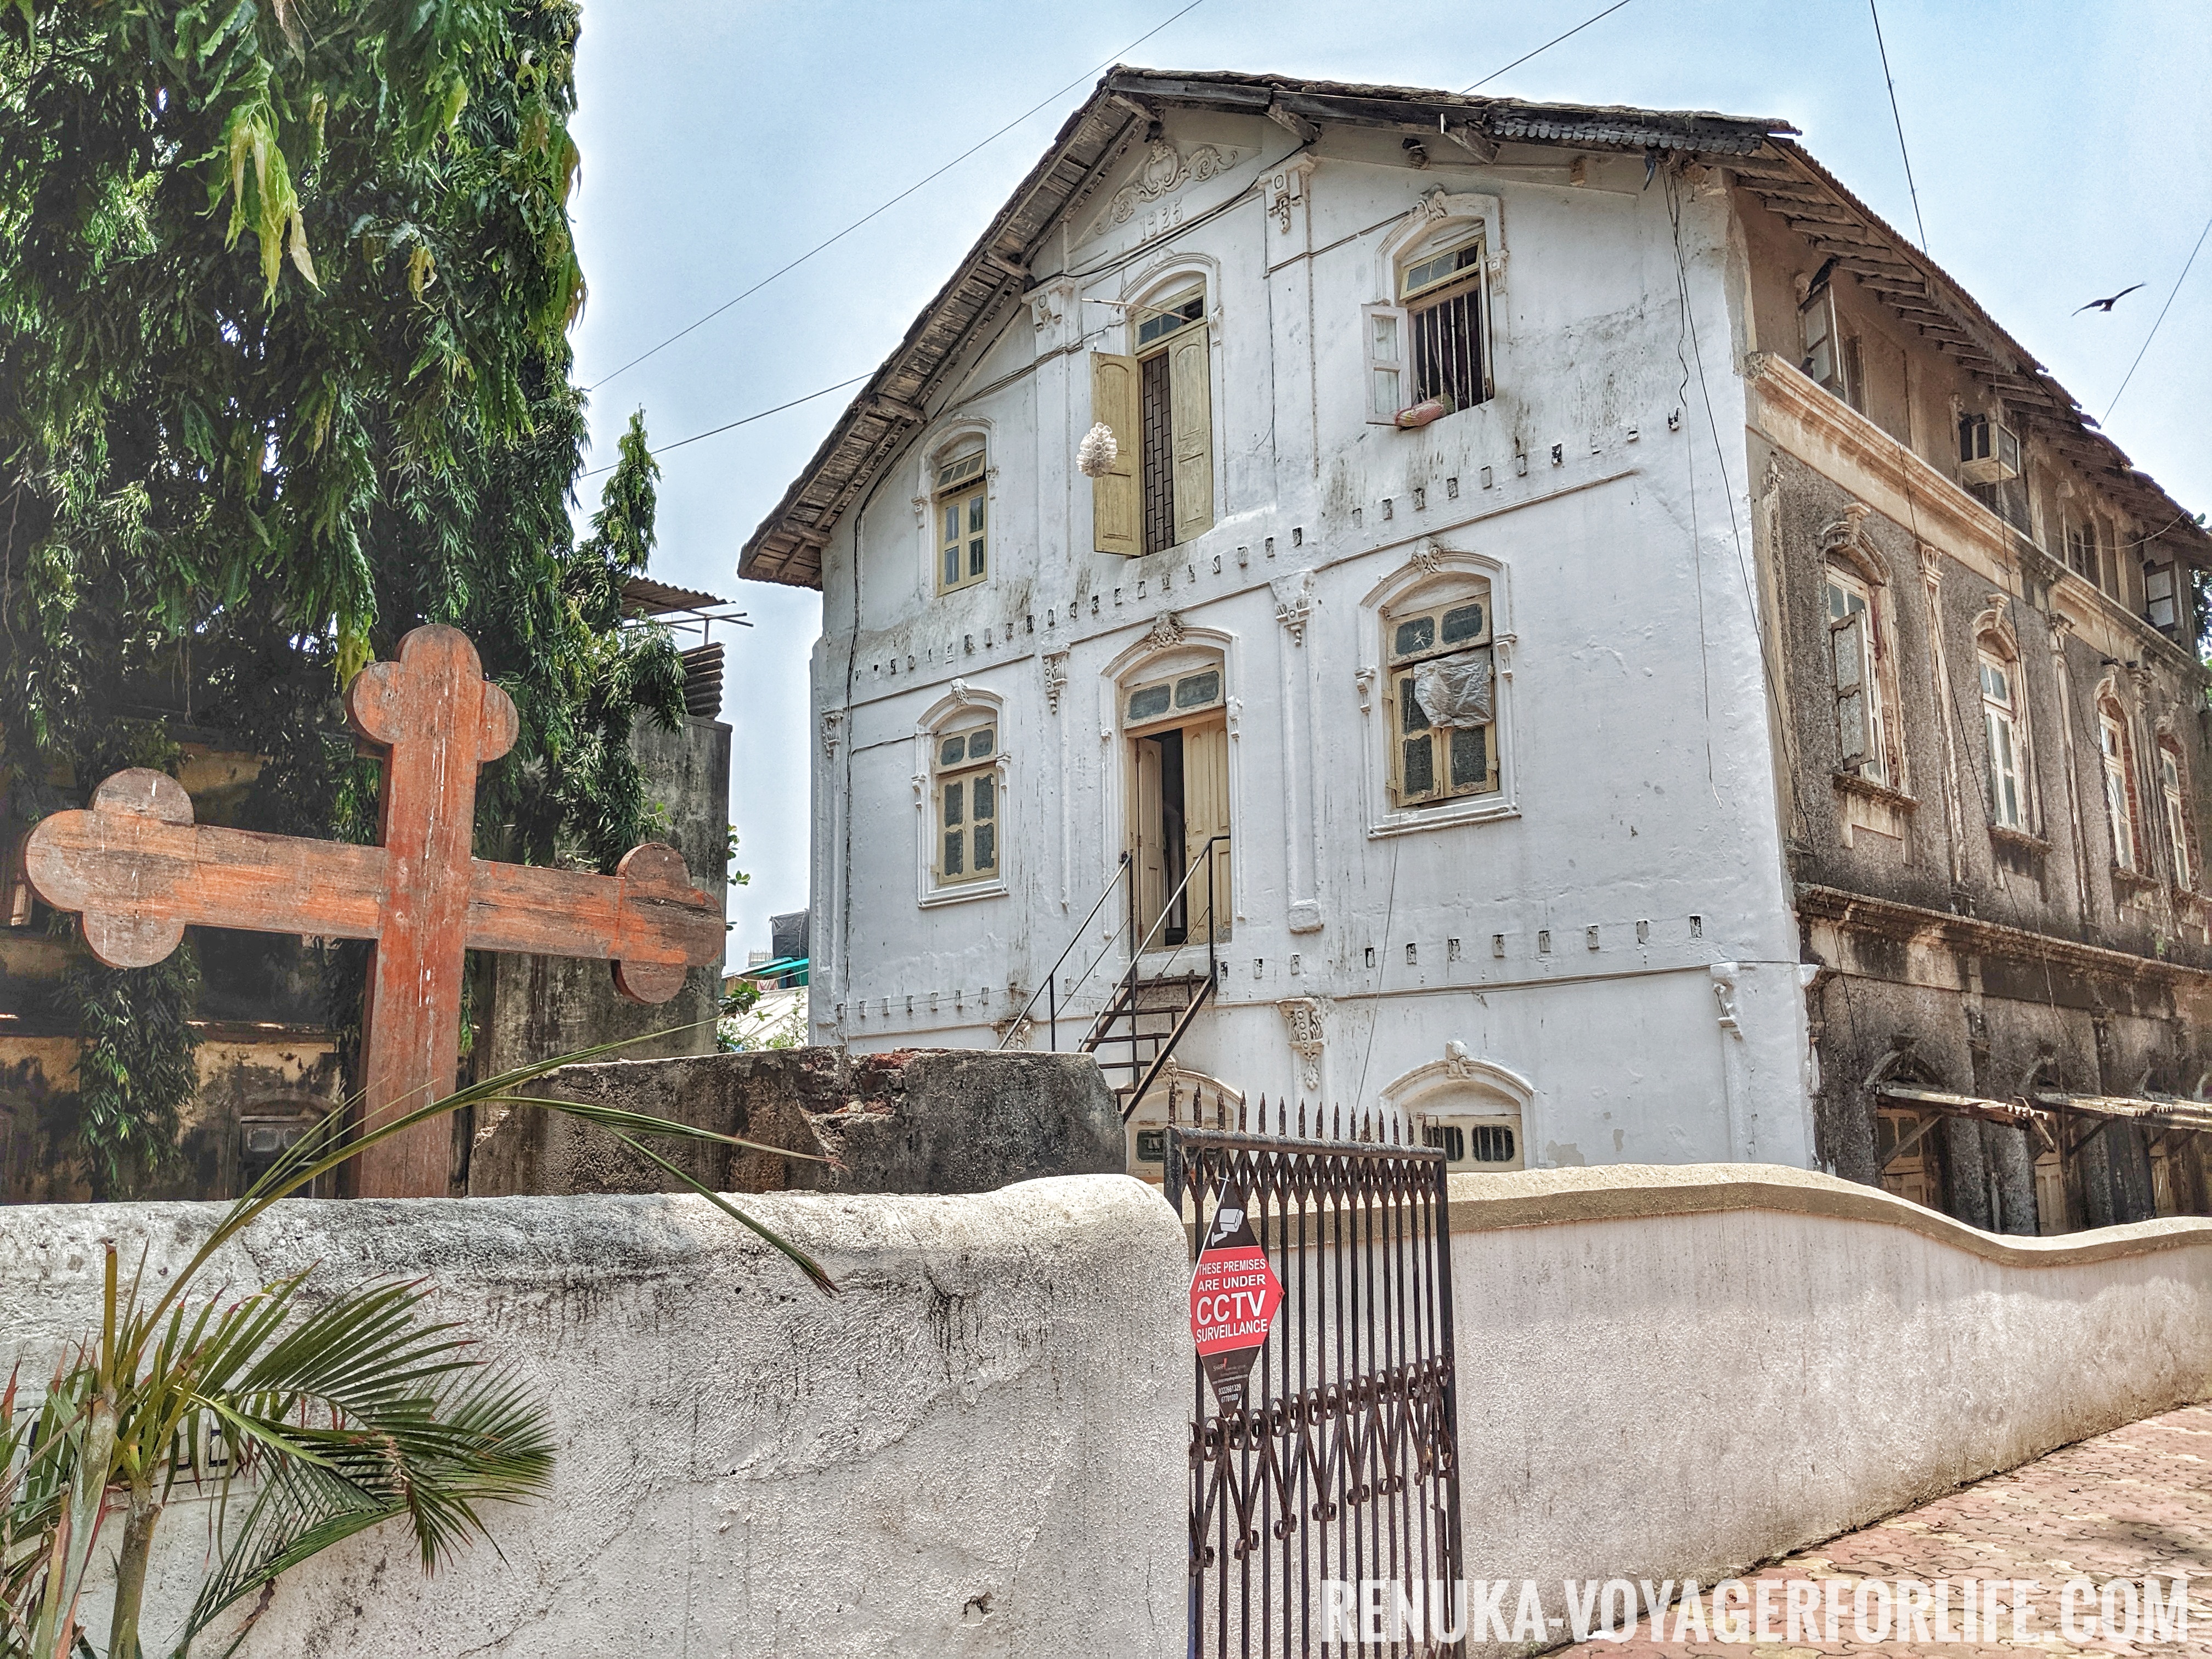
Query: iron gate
[1339, 1464]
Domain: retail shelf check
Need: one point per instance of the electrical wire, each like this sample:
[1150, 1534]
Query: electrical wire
[1547, 46]
[1889, 81]
[2162, 310]
[886, 206]
[745, 420]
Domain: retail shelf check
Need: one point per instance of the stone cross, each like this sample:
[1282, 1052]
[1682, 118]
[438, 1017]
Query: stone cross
[139, 869]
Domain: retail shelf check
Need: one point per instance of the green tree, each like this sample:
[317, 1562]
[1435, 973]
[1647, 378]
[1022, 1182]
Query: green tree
[284, 371]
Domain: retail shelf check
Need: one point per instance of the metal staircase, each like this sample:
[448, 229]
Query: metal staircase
[1158, 997]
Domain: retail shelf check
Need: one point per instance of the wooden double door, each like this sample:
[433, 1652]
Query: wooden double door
[1179, 807]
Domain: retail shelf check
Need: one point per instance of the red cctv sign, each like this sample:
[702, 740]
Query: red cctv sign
[1234, 1297]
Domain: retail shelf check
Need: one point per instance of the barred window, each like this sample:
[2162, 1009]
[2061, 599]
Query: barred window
[1442, 700]
[1430, 344]
[967, 804]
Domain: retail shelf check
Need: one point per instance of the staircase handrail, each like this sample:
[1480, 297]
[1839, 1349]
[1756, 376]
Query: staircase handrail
[1121, 869]
[1204, 859]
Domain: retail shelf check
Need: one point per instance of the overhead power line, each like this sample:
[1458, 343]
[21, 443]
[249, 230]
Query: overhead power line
[885, 207]
[1890, 81]
[2162, 310]
[1547, 46]
[747, 420]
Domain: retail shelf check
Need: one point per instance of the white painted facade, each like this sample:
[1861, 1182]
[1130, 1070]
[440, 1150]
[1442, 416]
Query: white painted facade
[1601, 950]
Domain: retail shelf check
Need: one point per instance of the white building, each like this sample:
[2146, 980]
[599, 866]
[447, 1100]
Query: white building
[1418, 621]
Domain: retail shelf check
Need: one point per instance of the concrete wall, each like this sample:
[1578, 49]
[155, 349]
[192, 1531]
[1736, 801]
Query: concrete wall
[1568, 931]
[535, 1007]
[978, 1450]
[1678, 1372]
[944, 1120]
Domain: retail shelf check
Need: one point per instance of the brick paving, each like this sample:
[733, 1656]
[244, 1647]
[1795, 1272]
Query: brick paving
[2133, 1503]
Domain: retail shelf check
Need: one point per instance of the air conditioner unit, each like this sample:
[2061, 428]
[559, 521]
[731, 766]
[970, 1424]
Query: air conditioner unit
[1988, 453]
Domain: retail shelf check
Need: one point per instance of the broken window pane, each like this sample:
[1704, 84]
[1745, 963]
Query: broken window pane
[1415, 634]
[1411, 717]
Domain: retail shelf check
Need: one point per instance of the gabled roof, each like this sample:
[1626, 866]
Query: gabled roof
[1089, 145]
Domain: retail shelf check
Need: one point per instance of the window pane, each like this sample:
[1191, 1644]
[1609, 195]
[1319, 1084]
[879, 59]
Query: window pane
[953, 864]
[986, 848]
[1417, 635]
[980, 744]
[976, 558]
[953, 798]
[1411, 715]
[1149, 703]
[975, 512]
[1418, 770]
[950, 751]
[1198, 690]
[1463, 623]
[985, 805]
[952, 565]
[1384, 344]
[952, 522]
[1470, 756]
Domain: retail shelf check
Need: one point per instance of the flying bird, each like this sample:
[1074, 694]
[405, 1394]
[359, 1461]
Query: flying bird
[2106, 305]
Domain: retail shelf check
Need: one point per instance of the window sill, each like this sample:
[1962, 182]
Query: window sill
[981, 889]
[1852, 784]
[1485, 810]
[2133, 885]
[2020, 839]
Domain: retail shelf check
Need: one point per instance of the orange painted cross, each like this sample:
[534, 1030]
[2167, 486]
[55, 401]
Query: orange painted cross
[139, 870]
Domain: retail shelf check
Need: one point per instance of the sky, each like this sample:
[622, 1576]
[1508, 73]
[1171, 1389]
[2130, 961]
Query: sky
[2061, 152]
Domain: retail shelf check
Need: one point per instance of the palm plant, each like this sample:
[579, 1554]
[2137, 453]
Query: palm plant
[337, 1415]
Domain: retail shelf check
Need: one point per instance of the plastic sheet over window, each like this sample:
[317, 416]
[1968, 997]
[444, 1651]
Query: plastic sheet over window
[1455, 691]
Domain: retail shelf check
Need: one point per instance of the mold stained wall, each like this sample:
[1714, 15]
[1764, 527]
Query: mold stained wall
[1623, 946]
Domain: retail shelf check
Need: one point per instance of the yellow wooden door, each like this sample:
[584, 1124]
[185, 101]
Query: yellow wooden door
[1144, 824]
[1205, 816]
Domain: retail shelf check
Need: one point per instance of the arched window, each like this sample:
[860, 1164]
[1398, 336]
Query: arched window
[2004, 730]
[1471, 1110]
[958, 496]
[1431, 342]
[2119, 755]
[1442, 693]
[966, 792]
[1158, 399]
[1865, 679]
[2179, 837]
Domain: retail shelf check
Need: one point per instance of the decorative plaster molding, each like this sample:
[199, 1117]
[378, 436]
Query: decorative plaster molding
[1294, 604]
[1931, 564]
[1166, 634]
[1162, 172]
[1055, 678]
[1303, 1015]
[830, 722]
[1363, 678]
[1426, 558]
[958, 692]
[1724, 987]
[1847, 536]
[1459, 1064]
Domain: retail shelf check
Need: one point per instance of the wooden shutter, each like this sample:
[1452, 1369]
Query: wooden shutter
[1847, 643]
[1383, 352]
[1113, 496]
[1190, 403]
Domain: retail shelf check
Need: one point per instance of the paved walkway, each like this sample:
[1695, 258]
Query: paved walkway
[2132, 1503]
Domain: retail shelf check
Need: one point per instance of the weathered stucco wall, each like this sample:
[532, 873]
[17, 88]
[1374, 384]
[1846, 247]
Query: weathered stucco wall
[915, 1121]
[978, 1450]
[1677, 1373]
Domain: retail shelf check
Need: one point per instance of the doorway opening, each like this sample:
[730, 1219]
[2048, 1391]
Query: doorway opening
[1178, 832]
